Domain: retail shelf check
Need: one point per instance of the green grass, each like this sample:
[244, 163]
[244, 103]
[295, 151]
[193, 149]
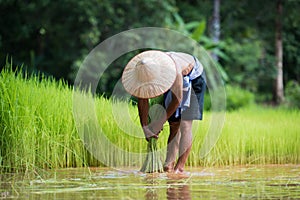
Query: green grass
[254, 135]
[37, 126]
[38, 130]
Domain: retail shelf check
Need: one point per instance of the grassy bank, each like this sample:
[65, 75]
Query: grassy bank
[38, 130]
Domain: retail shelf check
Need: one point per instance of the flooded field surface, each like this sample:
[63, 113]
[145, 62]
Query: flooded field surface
[252, 182]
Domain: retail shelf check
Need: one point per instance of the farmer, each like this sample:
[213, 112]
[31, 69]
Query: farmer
[181, 79]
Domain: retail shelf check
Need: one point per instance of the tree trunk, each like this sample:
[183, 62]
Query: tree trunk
[279, 94]
[216, 26]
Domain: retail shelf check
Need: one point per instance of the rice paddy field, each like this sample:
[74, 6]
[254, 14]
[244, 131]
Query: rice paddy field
[38, 131]
[59, 143]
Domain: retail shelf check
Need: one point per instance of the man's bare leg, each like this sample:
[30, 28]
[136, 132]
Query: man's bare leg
[185, 144]
[172, 148]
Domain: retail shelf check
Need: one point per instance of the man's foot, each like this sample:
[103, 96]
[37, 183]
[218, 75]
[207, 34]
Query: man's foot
[179, 168]
[178, 171]
[169, 168]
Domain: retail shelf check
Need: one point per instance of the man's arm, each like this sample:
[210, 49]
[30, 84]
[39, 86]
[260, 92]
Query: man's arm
[156, 126]
[176, 96]
[143, 108]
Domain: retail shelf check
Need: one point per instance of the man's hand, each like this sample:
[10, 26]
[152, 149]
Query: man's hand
[156, 126]
[148, 133]
[187, 69]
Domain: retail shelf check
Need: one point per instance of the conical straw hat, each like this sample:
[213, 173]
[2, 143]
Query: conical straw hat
[149, 74]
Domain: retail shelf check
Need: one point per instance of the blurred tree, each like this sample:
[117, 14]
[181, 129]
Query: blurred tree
[125, 15]
[248, 34]
[196, 29]
[54, 37]
[260, 25]
[291, 40]
[249, 31]
[278, 90]
[216, 26]
[45, 35]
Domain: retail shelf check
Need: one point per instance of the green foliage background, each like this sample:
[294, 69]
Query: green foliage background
[53, 37]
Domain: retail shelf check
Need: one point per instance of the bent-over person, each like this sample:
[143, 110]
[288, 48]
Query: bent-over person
[180, 78]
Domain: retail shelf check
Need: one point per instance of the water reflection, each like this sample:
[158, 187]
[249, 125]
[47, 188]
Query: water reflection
[178, 191]
[170, 187]
[151, 193]
[151, 189]
[253, 182]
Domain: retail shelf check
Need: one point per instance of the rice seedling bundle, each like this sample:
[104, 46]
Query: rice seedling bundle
[152, 163]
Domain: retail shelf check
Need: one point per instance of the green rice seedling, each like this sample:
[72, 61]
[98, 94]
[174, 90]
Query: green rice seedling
[253, 135]
[37, 127]
[152, 162]
[38, 130]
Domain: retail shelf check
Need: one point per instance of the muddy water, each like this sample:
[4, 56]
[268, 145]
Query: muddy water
[252, 182]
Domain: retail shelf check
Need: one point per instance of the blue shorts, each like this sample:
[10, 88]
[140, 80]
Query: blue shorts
[195, 111]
